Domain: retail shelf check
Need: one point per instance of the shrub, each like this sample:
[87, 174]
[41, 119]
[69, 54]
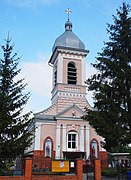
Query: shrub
[109, 172]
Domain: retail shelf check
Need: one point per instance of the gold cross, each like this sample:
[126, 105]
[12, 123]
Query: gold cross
[68, 11]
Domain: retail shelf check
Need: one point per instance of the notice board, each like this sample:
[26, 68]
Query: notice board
[60, 166]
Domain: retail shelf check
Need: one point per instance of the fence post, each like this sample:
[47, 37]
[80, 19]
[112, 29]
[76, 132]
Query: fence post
[97, 169]
[28, 168]
[79, 166]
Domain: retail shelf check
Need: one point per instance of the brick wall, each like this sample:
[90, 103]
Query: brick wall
[54, 177]
[41, 162]
[29, 176]
[64, 101]
[79, 169]
[37, 153]
[97, 169]
[36, 177]
[12, 178]
[103, 156]
[28, 169]
[78, 176]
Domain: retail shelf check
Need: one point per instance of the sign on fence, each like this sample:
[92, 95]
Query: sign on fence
[60, 166]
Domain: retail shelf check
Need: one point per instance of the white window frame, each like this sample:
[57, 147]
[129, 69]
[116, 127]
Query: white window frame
[76, 148]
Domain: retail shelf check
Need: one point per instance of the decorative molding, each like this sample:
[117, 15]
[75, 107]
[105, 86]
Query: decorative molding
[66, 94]
[72, 89]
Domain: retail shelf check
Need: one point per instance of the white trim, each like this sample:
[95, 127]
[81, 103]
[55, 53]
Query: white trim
[60, 69]
[71, 53]
[73, 149]
[64, 138]
[87, 142]
[83, 71]
[82, 138]
[37, 136]
[57, 142]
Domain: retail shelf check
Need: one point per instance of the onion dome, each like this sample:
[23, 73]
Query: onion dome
[68, 39]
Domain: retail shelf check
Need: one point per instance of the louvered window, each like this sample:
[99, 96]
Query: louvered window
[55, 74]
[72, 73]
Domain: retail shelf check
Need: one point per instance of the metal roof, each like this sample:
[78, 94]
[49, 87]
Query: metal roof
[68, 39]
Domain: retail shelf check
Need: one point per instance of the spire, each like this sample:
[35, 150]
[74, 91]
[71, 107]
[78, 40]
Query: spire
[68, 24]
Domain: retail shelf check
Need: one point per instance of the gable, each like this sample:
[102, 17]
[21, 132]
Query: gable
[71, 112]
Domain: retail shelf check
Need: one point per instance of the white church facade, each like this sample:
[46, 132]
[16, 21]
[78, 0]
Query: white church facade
[60, 132]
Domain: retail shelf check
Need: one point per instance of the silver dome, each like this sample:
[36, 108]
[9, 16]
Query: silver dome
[68, 39]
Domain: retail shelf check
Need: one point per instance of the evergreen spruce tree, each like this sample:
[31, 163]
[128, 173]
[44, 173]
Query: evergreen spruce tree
[111, 85]
[14, 134]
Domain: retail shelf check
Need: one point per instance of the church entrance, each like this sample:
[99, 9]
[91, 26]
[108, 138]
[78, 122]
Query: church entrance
[73, 155]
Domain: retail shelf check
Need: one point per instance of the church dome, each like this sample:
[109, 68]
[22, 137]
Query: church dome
[68, 39]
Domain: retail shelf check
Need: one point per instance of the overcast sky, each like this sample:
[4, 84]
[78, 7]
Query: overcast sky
[35, 24]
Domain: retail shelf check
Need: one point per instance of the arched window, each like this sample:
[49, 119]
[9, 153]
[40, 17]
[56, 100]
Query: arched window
[94, 148]
[72, 74]
[72, 140]
[48, 147]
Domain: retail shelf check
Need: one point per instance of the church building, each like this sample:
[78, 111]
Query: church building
[60, 131]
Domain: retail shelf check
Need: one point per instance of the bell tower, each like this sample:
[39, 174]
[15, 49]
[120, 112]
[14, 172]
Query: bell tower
[69, 69]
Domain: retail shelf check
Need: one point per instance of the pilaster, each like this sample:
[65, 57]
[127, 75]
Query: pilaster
[57, 142]
[64, 138]
[82, 138]
[87, 142]
[37, 136]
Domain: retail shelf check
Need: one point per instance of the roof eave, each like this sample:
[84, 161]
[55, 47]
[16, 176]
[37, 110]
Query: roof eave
[59, 48]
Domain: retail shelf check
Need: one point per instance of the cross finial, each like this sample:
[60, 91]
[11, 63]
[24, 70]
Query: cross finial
[68, 11]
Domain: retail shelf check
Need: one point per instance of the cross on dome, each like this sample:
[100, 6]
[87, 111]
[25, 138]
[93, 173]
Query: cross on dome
[68, 11]
[68, 39]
